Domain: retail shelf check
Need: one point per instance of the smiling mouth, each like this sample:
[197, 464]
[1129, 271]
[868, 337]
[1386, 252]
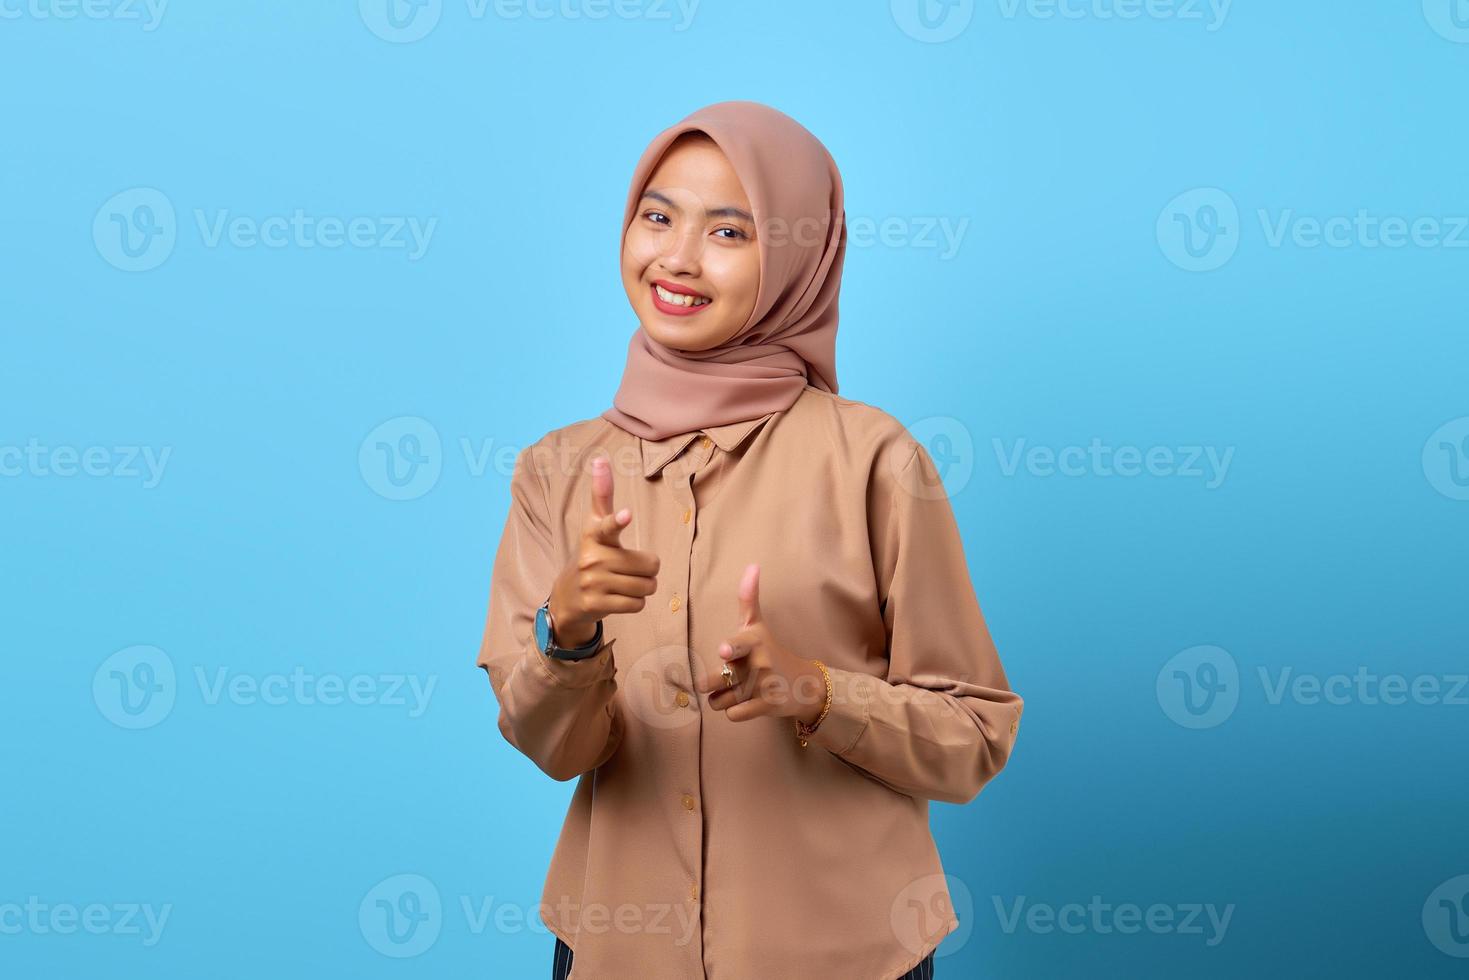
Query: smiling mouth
[678, 303]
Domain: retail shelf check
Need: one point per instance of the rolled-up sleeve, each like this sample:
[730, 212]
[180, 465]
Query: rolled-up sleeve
[943, 721]
[561, 714]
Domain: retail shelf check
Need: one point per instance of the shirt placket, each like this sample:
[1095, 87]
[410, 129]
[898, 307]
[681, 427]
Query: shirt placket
[682, 474]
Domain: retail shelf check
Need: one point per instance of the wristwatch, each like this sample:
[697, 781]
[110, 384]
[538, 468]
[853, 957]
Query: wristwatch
[547, 643]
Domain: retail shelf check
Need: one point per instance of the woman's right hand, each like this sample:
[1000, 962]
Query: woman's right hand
[603, 577]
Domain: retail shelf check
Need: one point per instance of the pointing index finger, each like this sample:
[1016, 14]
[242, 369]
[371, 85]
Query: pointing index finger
[601, 486]
[750, 594]
[606, 526]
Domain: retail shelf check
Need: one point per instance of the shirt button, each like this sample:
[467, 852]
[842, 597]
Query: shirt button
[688, 512]
[688, 802]
[673, 603]
[694, 890]
[704, 441]
[683, 699]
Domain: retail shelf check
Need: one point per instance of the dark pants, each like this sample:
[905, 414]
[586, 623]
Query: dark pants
[561, 965]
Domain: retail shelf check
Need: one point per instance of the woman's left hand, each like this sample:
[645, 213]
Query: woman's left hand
[769, 679]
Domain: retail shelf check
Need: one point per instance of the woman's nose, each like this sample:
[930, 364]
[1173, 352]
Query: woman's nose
[684, 250]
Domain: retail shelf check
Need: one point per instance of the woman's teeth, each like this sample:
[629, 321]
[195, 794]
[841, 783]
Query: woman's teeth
[679, 299]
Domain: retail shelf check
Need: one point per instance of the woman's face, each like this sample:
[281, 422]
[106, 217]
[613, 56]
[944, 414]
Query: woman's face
[690, 261]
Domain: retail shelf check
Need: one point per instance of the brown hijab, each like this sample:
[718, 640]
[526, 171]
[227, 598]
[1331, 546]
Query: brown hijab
[789, 342]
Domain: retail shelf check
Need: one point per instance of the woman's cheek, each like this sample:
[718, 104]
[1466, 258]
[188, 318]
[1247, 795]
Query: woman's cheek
[735, 271]
[639, 252]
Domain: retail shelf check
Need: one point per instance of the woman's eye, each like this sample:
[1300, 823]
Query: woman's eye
[655, 215]
[733, 232]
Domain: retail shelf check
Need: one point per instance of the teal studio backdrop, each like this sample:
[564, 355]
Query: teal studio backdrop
[1173, 292]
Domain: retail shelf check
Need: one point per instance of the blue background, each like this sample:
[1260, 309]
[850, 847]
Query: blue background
[1334, 541]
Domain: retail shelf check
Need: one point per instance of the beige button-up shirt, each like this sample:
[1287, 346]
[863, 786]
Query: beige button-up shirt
[697, 846]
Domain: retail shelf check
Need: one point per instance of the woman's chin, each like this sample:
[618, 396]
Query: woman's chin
[676, 335]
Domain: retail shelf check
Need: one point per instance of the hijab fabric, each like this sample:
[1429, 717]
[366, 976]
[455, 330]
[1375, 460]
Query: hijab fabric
[795, 193]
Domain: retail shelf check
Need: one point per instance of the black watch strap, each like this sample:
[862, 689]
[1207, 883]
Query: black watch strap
[552, 649]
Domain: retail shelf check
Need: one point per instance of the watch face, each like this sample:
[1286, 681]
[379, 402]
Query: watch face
[543, 630]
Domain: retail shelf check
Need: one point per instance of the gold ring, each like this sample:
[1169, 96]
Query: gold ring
[729, 678]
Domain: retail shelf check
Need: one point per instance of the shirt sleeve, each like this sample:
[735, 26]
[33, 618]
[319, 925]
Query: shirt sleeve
[559, 713]
[943, 721]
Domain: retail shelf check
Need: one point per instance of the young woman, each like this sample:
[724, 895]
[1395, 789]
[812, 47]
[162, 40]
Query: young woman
[735, 606]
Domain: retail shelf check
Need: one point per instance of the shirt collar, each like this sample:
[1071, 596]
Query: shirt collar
[656, 453]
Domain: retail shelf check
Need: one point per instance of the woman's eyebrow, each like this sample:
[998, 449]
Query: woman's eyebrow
[727, 211]
[732, 212]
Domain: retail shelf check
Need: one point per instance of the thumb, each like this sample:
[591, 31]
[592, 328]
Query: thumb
[750, 595]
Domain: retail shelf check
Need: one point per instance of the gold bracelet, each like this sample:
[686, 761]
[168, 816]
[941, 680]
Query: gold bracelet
[802, 731]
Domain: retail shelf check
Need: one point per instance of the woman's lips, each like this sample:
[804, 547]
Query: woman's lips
[675, 309]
